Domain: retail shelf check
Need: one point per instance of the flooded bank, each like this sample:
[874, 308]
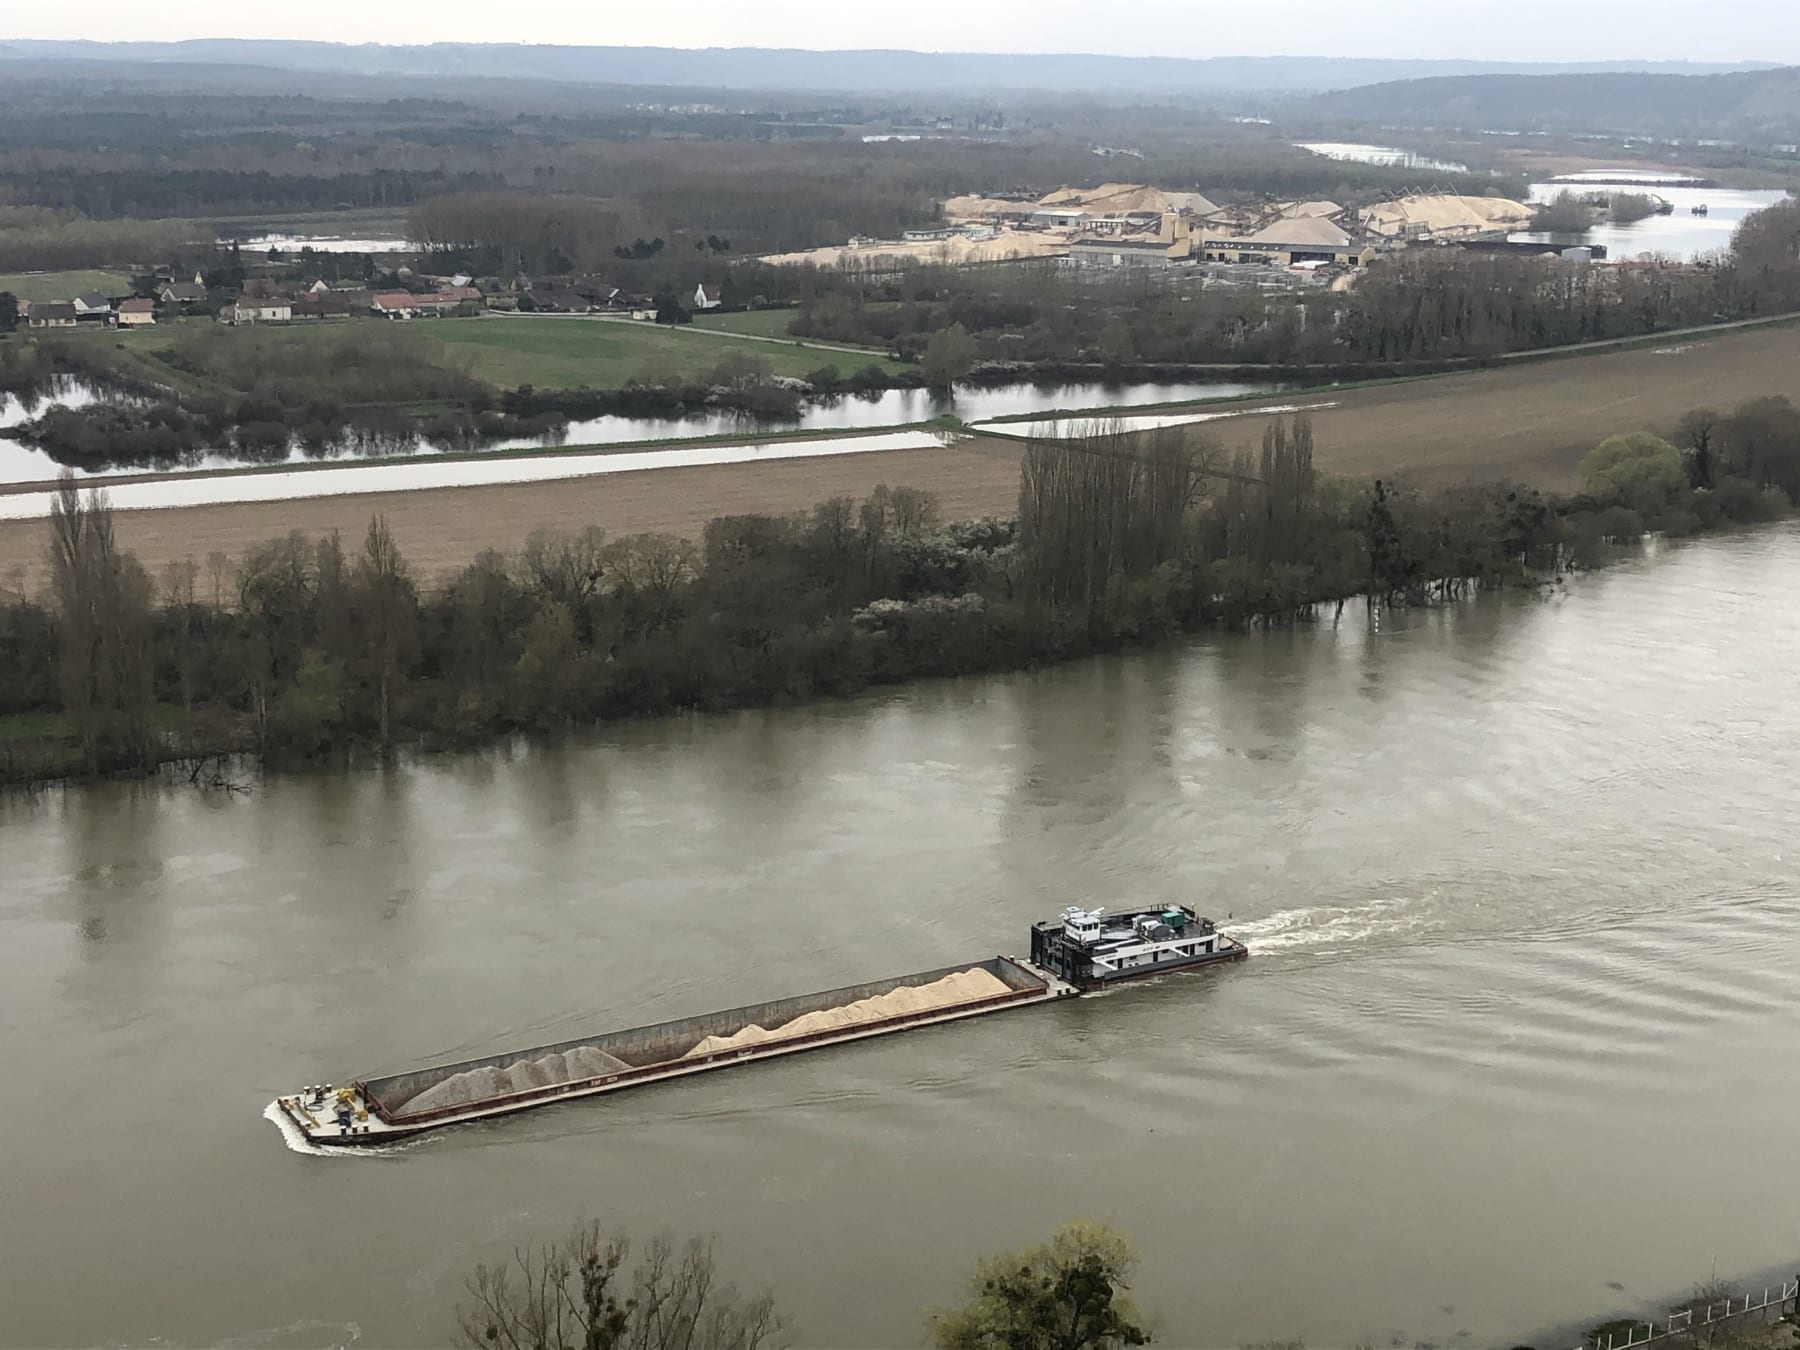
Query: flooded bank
[416, 475]
[20, 463]
[1391, 155]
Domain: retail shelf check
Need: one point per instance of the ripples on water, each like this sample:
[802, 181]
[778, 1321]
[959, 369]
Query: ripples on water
[1516, 875]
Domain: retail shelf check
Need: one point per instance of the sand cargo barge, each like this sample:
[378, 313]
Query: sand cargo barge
[1084, 950]
[380, 1110]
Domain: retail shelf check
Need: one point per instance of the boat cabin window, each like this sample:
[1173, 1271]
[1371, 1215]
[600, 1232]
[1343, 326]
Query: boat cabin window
[1080, 925]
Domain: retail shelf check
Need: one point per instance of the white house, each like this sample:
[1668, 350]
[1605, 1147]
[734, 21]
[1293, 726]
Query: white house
[251, 310]
[91, 304]
[706, 297]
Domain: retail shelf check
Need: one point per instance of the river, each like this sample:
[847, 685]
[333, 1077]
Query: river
[1518, 876]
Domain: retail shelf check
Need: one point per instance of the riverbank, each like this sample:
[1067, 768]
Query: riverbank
[306, 646]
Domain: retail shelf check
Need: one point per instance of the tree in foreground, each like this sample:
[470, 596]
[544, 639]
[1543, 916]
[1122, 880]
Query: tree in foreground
[1065, 1294]
[579, 1294]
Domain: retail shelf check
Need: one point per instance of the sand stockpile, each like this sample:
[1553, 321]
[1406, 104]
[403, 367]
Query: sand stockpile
[956, 251]
[1445, 214]
[985, 208]
[474, 1085]
[965, 986]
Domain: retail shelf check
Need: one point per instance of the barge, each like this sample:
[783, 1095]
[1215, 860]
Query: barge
[1083, 951]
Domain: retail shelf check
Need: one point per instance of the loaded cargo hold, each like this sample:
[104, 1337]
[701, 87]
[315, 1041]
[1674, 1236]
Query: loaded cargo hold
[377, 1110]
[1082, 951]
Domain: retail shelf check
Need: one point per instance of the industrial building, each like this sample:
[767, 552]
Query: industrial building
[1284, 242]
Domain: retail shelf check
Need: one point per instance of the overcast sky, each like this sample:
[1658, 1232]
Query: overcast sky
[1508, 30]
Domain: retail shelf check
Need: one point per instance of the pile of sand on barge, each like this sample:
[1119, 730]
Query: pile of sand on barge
[965, 986]
[476, 1085]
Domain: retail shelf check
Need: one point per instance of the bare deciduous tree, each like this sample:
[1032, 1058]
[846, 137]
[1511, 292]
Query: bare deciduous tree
[387, 606]
[563, 568]
[577, 1292]
[103, 599]
[1104, 506]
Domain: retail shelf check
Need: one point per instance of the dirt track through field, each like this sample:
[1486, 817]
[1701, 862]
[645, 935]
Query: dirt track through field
[1530, 422]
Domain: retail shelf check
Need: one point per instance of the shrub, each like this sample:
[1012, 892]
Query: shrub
[1638, 470]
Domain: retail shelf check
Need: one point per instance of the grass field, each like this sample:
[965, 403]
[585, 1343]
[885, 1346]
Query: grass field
[550, 353]
[756, 322]
[604, 354]
[1530, 423]
[36, 286]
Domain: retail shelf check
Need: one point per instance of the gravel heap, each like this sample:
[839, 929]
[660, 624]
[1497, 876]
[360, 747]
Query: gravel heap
[964, 986]
[474, 1085]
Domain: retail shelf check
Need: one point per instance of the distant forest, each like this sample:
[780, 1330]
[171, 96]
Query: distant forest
[785, 173]
[1759, 106]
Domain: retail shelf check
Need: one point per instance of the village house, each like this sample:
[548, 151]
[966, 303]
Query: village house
[182, 293]
[597, 292]
[251, 309]
[136, 313]
[548, 300]
[405, 305]
[93, 307]
[52, 314]
[322, 306]
[707, 297]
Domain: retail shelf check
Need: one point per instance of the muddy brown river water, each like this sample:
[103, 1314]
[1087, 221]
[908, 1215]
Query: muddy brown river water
[1519, 877]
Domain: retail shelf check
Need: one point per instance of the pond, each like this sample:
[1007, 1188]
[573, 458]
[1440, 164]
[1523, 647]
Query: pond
[325, 243]
[1392, 155]
[1681, 234]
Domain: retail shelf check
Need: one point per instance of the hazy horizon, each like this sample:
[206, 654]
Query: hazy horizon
[1522, 31]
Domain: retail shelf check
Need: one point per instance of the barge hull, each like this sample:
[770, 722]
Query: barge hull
[661, 1051]
[1235, 951]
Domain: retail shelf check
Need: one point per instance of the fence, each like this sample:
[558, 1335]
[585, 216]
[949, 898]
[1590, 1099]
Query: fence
[1689, 1321]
